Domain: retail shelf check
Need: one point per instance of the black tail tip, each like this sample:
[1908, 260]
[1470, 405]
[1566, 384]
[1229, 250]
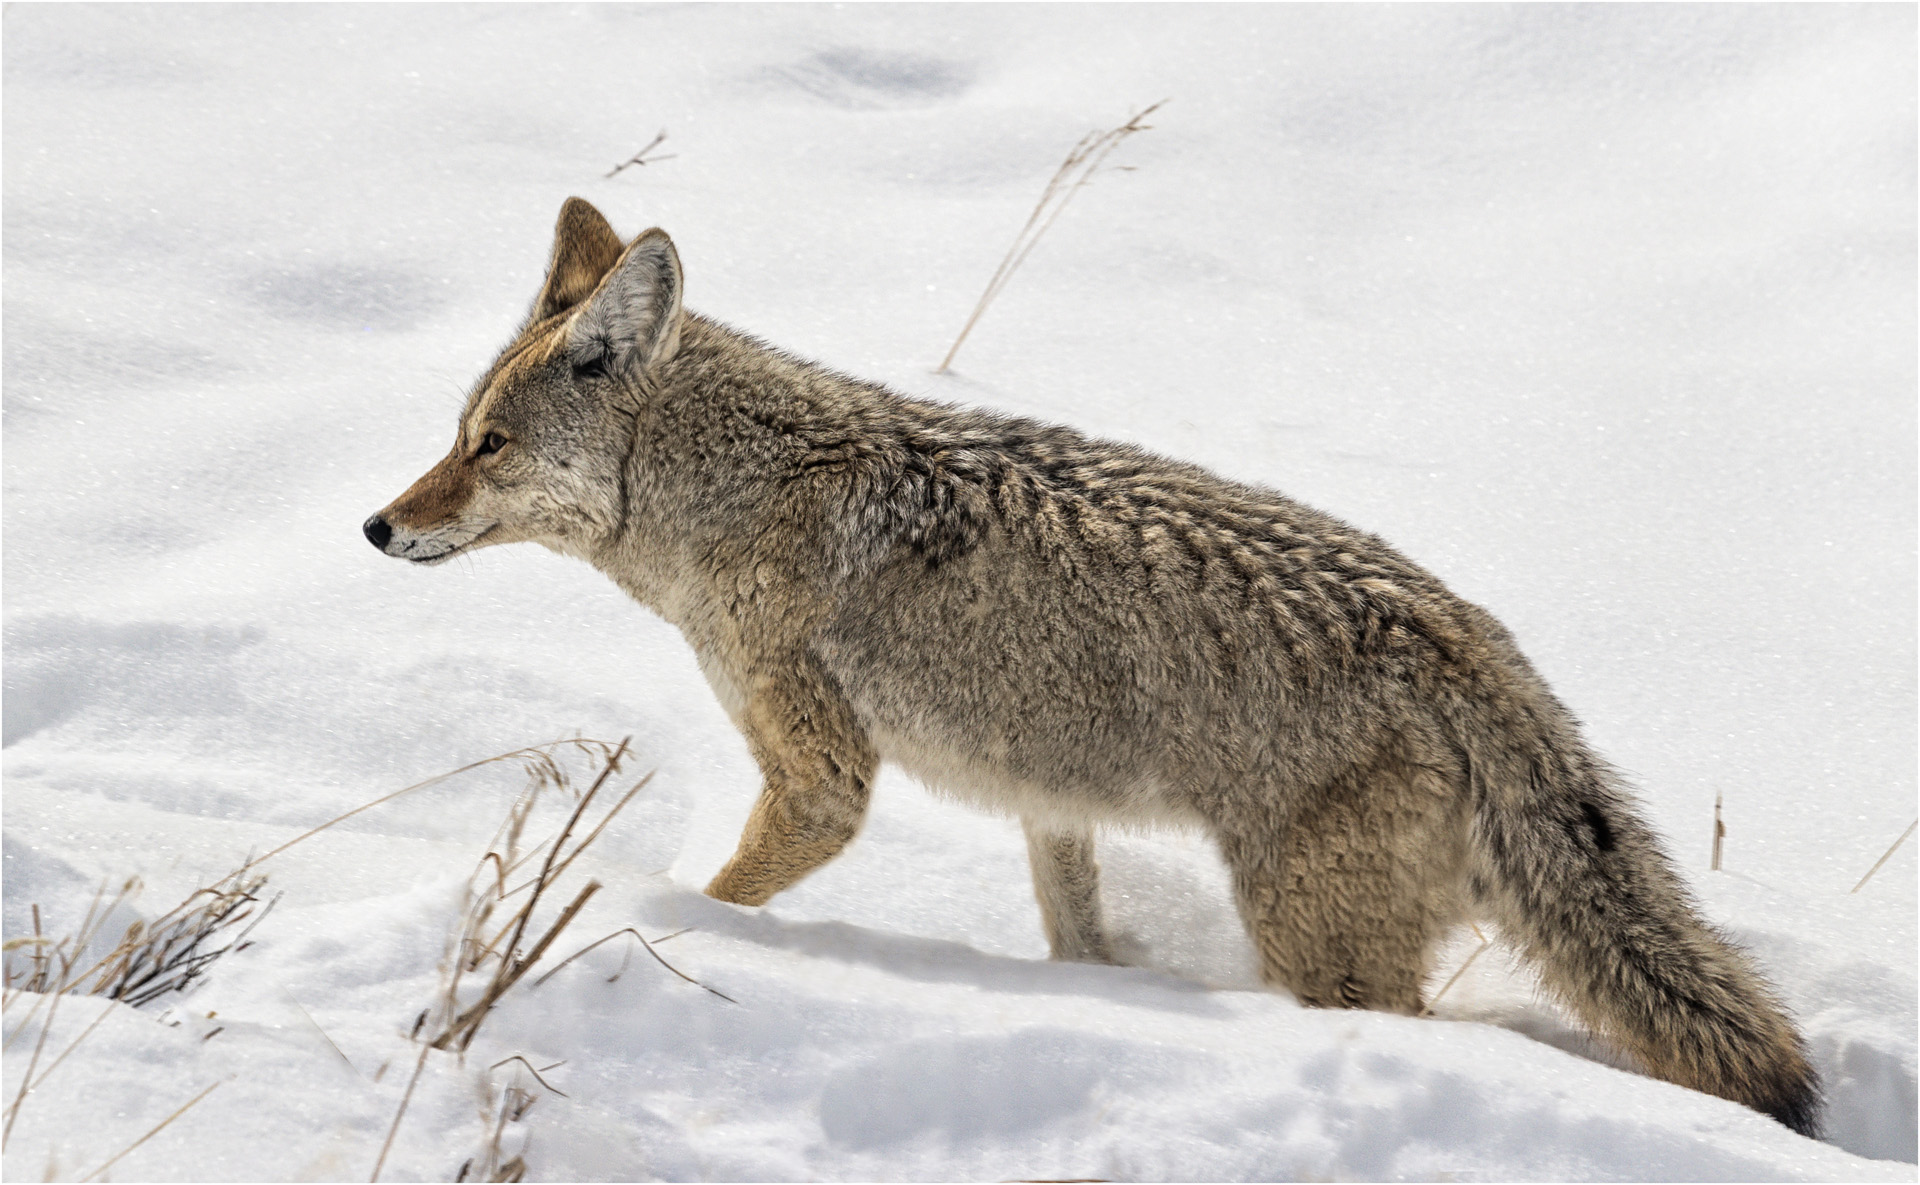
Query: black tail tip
[1802, 1107]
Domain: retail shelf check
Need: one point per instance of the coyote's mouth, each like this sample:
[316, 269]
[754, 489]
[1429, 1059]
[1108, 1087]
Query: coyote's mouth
[449, 553]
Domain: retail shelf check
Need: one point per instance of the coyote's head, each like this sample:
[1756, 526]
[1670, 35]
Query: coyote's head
[542, 445]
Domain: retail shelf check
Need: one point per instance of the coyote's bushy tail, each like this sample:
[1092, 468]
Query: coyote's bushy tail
[1570, 871]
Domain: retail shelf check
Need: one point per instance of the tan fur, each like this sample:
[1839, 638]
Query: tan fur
[1066, 882]
[1079, 632]
[441, 494]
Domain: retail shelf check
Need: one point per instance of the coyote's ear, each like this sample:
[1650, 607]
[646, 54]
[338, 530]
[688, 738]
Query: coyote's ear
[631, 323]
[584, 247]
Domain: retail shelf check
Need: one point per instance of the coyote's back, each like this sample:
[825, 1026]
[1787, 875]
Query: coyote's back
[1077, 631]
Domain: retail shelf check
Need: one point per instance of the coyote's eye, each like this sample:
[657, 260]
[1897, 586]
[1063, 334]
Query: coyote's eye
[591, 368]
[493, 443]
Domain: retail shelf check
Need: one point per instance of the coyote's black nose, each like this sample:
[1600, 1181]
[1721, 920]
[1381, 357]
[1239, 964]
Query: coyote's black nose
[378, 532]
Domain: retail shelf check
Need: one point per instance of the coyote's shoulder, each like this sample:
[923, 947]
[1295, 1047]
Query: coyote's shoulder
[1080, 632]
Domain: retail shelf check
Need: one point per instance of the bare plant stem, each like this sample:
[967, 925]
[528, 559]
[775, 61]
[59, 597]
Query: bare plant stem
[1719, 833]
[400, 1114]
[504, 855]
[1882, 860]
[156, 1131]
[1485, 942]
[84, 1034]
[26, 1080]
[534, 753]
[1073, 174]
[536, 1074]
[641, 157]
[467, 1023]
[514, 958]
[649, 948]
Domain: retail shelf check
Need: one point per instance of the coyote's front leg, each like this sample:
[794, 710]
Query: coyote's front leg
[818, 767]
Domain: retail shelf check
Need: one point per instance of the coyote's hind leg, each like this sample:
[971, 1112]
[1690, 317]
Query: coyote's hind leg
[1346, 899]
[1066, 879]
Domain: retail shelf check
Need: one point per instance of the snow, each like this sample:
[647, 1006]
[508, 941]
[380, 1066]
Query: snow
[1602, 313]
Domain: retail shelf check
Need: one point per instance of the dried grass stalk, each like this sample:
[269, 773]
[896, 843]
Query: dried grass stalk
[1074, 173]
[641, 157]
[1719, 834]
[156, 1131]
[534, 757]
[153, 958]
[1485, 942]
[171, 952]
[513, 948]
[623, 962]
[168, 954]
[511, 1106]
[1877, 864]
[512, 951]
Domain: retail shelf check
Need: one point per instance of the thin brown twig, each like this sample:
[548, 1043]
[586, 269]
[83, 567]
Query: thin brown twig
[641, 157]
[1883, 859]
[602, 825]
[467, 1023]
[26, 1080]
[512, 967]
[499, 873]
[84, 1034]
[1485, 942]
[649, 948]
[529, 753]
[156, 1131]
[400, 1114]
[536, 1074]
[554, 852]
[504, 854]
[90, 926]
[39, 947]
[479, 956]
[46, 984]
[1074, 174]
[1719, 833]
[542, 769]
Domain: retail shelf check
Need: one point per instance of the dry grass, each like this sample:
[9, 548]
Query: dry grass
[512, 950]
[509, 1106]
[641, 157]
[532, 757]
[649, 947]
[151, 960]
[1881, 862]
[169, 954]
[498, 939]
[152, 1132]
[1485, 942]
[1074, 174]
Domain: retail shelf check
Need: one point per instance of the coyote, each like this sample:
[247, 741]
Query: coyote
[1077, 632]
